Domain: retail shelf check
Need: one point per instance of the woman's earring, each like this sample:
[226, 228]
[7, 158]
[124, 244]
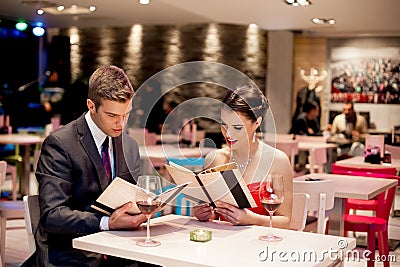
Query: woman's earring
[254, 137]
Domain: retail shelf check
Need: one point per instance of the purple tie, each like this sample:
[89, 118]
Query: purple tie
[106, 159]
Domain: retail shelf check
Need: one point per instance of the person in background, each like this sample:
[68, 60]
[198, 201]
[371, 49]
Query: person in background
[307, 123]
[241, 115]
[349, 123]
[151, 106]
[52, 94]
[172, 118]
[71, 175]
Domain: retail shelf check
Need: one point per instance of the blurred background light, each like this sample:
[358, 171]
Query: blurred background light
[21, 25]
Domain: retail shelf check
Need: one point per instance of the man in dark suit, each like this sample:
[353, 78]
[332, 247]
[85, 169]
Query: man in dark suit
[71, 174]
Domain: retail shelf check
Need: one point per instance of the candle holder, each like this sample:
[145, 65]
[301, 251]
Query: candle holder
[200, 235]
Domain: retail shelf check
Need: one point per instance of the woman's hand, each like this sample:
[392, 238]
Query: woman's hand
[234, 215]
[204, 212]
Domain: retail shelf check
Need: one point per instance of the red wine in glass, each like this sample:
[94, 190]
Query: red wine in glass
[146, 207]
[271, 195]
[271, 205]
[148, 200]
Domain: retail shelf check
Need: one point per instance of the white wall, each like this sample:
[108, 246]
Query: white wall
[279, 78]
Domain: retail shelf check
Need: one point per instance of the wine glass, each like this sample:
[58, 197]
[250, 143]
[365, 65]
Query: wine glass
[271, 196]
[148, 200]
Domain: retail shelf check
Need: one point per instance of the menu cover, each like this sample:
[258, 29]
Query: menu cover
[224, 183]
[120, 192]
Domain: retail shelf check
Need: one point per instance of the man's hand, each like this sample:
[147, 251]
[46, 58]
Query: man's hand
[355, 134]
[121, 220]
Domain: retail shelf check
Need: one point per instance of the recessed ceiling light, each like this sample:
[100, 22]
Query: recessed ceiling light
[253, 25]
[92, 8]
[298, 2]
[144, 2]
[40, 11]
[60, 8]
[322, 21]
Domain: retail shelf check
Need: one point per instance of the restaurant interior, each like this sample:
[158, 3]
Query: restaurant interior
[330, 52]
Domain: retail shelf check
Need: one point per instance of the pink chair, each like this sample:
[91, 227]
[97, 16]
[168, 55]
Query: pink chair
[373, 225]
[379, 172]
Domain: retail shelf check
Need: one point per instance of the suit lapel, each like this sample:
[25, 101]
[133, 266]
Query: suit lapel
[89, 145]
[119, 158]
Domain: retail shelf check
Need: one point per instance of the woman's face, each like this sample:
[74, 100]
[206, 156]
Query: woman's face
[237, 129]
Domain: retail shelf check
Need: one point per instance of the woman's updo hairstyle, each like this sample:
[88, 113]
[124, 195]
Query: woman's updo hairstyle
[248, 100]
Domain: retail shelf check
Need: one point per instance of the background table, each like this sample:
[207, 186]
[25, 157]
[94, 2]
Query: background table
[347, 186]
[230, 245]
[25, 140]
[358, 161]
[157, 155]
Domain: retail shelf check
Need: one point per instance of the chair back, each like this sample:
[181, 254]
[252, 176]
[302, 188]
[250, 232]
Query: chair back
[3, 171]
[322, 197]
[394, 150]
[299, 211]
[193, 164]
[32, 217]
[385, 201]
[291, 149]
[375, 140]
[317, 158]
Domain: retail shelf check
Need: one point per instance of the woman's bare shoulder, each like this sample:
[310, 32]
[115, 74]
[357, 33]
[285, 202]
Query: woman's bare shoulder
[217, 157]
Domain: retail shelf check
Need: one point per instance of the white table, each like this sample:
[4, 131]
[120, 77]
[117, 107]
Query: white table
[25, 140]
[358, 161]
[230, 245]
[347, 186]
[169, 138]
[312, 144]
[157, 155]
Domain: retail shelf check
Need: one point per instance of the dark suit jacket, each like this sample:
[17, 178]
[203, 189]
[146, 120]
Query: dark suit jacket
[71, 177]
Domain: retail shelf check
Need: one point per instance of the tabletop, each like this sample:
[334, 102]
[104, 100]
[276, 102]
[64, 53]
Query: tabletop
[348, 186]
[20, 139]
[230, 245]
[358, 161]
[172, 151]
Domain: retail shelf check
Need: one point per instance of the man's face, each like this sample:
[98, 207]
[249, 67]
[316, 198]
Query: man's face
[110, 116]
[315, 112]
[348, 109]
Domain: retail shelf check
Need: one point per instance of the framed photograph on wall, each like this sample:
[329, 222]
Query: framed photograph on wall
[365, 75]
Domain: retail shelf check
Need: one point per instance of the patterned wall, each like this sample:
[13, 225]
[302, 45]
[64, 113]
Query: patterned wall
[144, 50]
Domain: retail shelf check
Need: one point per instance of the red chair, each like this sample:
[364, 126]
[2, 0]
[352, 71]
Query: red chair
[373, 225]
[378, 172]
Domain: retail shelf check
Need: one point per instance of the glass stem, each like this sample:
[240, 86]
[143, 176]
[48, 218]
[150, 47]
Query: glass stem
[148, 230]
[270, 223]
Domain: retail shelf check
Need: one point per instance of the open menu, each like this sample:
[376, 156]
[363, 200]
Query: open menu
[120, 192]
[223, 183]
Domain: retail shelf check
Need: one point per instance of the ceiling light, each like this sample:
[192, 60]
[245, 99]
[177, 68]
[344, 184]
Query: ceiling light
[322, 21]
[298, 2]
[253, 26]
[92, 8]
[144, 2]
[60, 8]
[40, 11]
[21, 25]
[38, 31]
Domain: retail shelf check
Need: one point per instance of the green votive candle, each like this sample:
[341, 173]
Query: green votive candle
[200, 235]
